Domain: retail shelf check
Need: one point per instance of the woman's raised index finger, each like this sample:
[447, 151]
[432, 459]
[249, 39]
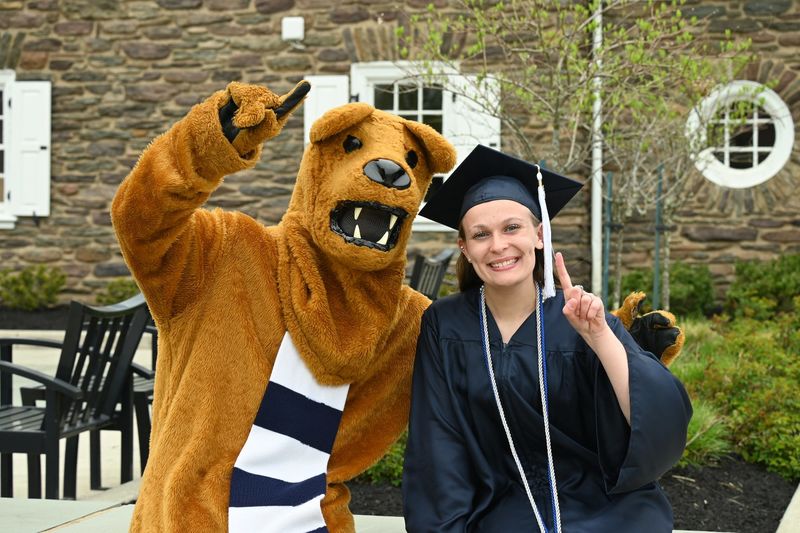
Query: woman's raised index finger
[563, 275]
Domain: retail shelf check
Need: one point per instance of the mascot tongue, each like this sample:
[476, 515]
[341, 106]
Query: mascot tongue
[339, 318]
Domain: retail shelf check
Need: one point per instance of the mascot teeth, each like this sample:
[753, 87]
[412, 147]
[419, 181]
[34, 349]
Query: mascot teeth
[368, 224]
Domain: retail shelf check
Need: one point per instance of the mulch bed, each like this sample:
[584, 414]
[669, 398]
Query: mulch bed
[55, 318]
[731, 496]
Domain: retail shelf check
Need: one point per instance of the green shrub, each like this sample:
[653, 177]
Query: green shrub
[117, 290]
[691, 291]
[703, 344]
[763, 289]
[449, 285]
[33, 288]
[755, 383]
[708, 437]
[390, 468]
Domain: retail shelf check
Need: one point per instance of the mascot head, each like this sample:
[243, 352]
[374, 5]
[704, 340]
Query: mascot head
[362, 180]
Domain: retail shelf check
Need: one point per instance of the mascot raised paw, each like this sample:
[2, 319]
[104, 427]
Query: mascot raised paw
[285, 352]
[656, 331]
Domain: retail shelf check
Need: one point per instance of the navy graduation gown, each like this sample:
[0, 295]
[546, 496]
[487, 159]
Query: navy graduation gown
[459, 474]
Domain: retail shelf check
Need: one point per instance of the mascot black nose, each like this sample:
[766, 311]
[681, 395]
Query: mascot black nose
[387, 173]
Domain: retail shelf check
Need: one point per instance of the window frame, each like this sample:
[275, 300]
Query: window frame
[762, 97]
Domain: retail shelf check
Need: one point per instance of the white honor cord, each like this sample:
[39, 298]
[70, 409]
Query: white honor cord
[542, 390]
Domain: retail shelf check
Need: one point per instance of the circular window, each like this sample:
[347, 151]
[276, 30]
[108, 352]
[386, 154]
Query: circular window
[742, 134]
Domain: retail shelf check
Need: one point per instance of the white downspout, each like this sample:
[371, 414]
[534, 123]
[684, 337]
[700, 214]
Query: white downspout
[597, 161]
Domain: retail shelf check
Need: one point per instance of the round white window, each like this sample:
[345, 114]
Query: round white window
[742, 134]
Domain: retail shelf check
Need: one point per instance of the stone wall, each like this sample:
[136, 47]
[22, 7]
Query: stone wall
[123, 71]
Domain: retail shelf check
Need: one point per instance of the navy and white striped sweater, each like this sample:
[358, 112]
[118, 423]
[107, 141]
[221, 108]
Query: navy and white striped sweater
[279, 478]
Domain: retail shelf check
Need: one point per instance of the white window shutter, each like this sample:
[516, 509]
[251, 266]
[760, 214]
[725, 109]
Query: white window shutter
[29, 155]
[467, 122]
[326, 93]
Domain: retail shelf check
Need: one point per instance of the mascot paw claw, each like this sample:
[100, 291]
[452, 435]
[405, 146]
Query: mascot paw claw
[656, 331]
[252, 114]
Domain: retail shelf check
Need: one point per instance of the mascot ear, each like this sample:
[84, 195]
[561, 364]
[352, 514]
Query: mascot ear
[441, 155]
[339, 119]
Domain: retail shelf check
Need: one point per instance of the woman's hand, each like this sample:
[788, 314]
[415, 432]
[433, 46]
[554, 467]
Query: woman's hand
[584, 311]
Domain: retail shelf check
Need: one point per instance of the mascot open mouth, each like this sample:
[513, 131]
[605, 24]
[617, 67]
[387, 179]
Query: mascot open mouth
[368, 224]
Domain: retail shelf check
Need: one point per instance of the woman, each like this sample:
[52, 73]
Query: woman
[482, 454]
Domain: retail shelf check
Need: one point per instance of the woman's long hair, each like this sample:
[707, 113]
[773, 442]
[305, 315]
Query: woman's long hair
[468, 278]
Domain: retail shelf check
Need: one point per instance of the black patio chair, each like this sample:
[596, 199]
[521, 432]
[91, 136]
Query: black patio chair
[92, 377]
[143, 387]
[428, 273]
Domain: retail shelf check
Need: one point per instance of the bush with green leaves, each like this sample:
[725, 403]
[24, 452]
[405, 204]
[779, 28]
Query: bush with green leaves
[117, 290]
[34, 287]
[708, 437]
[750, 372]
[763, 289]
[691, 290]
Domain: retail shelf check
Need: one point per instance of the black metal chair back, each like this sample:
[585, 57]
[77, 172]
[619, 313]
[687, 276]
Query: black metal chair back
[98, 349]
[428, 273]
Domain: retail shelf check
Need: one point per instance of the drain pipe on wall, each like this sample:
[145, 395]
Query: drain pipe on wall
[597, 160]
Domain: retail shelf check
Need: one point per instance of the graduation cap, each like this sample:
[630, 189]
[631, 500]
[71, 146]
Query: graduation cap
[487, 174]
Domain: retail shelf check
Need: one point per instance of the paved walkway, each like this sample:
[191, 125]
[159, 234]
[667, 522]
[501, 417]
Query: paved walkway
[109, 511]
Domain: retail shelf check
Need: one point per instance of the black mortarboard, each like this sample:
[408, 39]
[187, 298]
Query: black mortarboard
[487, 174]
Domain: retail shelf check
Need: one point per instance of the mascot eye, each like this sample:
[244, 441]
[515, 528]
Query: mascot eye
[351, 144]
[411, 158]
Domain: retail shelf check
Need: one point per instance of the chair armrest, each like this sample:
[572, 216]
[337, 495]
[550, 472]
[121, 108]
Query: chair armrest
[56, 384]
[139, 370]
[10, 341]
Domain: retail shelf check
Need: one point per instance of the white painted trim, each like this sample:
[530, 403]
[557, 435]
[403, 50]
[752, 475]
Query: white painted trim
[7, 77]
[721, 174]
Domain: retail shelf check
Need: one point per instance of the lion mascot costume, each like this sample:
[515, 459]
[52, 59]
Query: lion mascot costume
[285, 352]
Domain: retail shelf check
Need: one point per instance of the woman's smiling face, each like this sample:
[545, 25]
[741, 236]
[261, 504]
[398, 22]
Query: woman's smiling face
[500, 240]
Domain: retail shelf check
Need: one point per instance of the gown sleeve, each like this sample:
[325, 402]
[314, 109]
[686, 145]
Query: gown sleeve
[438, 481]
[632, 456]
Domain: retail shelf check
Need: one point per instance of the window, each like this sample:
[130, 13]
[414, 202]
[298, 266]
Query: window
[744, 135]
[412, 101]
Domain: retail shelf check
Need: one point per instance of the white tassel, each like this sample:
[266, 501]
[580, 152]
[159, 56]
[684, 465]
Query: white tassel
[549, 283]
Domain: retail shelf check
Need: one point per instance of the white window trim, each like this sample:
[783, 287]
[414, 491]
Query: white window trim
[741, 90]
[7, 77]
